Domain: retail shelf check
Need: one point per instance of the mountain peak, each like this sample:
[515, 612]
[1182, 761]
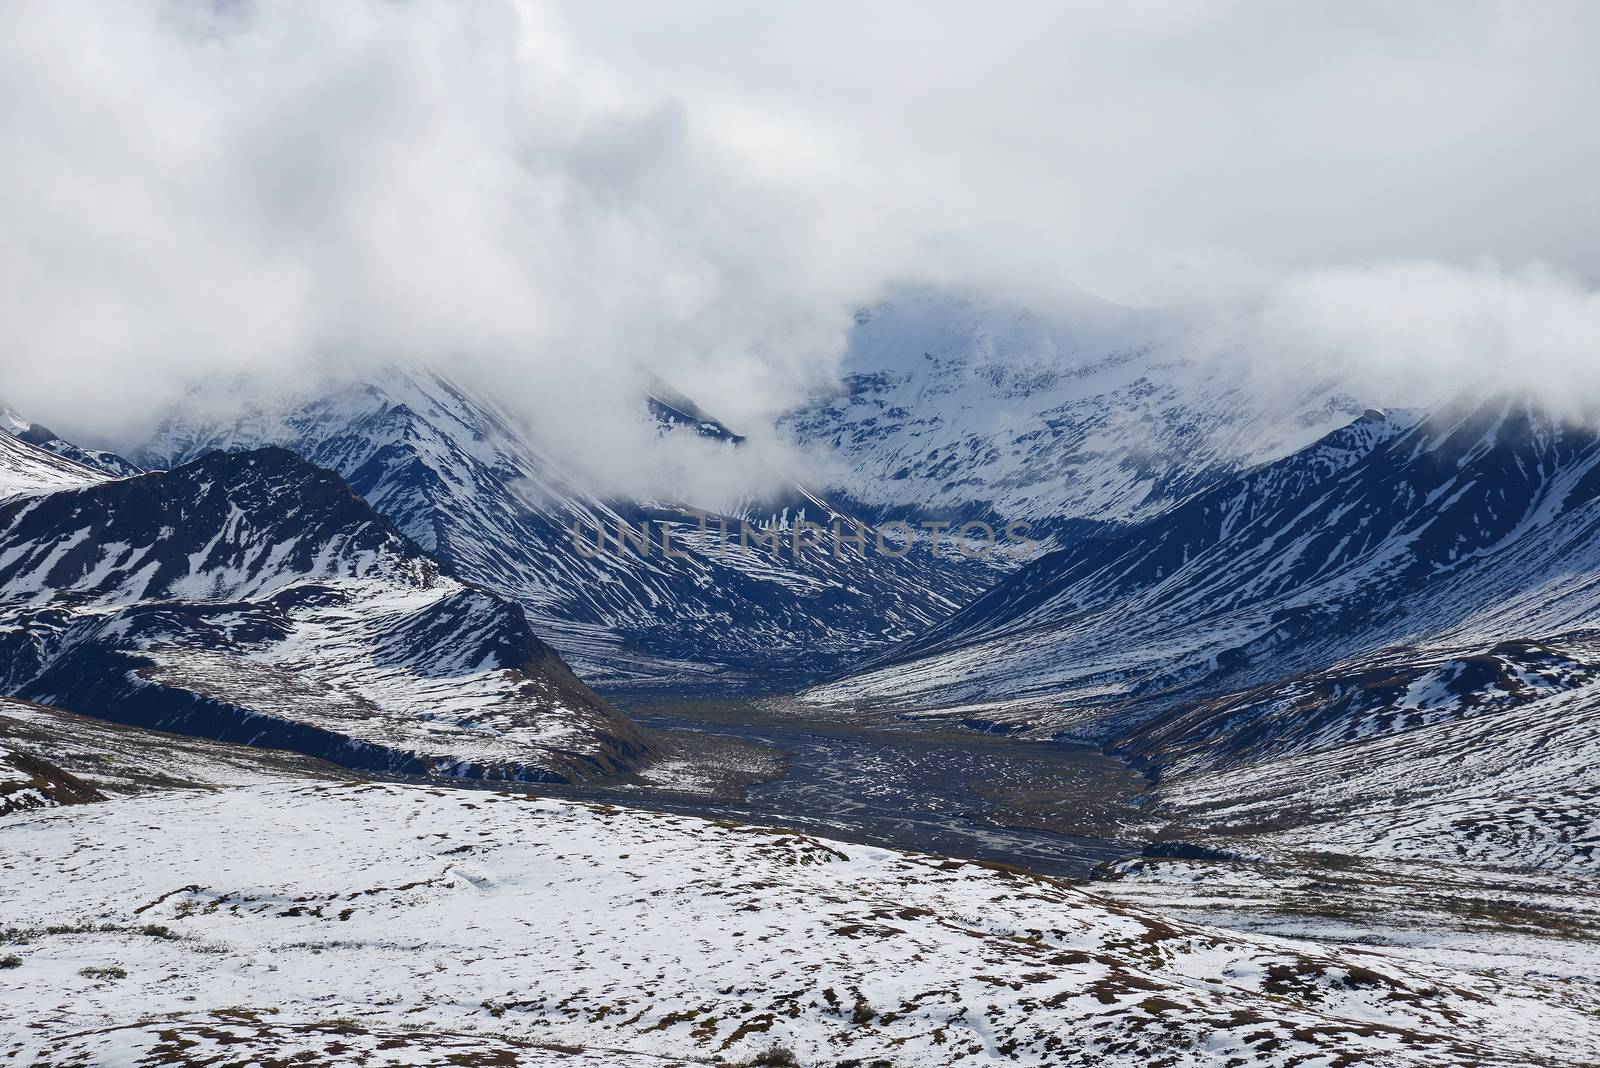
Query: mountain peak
[224, 526]
[27, 470]
[105, 463]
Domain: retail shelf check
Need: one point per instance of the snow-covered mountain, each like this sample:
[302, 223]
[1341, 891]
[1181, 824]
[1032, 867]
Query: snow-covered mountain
[255, 598]
[26, 470]
[106, 463]
[962, 406]
[955, 408]
[1476, 525]
[474, 488]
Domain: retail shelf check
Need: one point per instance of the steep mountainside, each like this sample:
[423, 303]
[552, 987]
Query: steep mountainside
[1476, 525]
[106, 463]
[958, 406]
[467, 483]
[26, 470]
[254, 598]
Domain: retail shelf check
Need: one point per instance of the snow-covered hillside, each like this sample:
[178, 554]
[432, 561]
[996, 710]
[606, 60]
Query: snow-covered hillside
[115, 760]
[1479, 524]
[26, 470]
[957, 405]
[1460, 823]
[1513, 782]
[254, 598]
[106, 463]
[474, 488]
[259, 917]
[28, 781]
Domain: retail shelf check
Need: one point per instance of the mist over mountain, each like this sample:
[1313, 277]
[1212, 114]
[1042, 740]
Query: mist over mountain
[918, 534]
[556, 207]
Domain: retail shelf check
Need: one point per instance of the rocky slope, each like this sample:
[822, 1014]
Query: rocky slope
[254, 598]
[474, 488]
[1478, 524]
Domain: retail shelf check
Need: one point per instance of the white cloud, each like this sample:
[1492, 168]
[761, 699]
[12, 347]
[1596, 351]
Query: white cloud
[303, 182]
[548, 198]
[1418, 333]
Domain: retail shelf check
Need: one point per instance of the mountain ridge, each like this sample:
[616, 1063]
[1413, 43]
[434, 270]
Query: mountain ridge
[255, 598]
[1388, 530]
[463, 480]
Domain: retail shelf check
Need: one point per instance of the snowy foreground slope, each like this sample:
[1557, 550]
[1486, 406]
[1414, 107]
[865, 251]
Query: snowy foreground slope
[253, 598]
[435, 924]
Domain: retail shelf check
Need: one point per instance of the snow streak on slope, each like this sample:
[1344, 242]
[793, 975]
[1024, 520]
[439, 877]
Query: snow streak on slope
[472, 487]
[468, 912]
[1478, 524]
[26, 470]
[106, 463]
[254, 598]
[959, 406]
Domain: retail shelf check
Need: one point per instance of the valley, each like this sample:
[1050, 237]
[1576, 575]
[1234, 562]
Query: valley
[554, 534]
[1059, 809]
[319, 735]
[242, 904]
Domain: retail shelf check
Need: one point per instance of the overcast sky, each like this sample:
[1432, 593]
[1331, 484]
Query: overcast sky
[552, 195]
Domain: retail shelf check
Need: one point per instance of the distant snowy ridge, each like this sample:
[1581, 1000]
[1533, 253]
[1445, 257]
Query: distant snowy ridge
[472, 486]
[957, 405]
[957, 409]
[106, 463]
[26, 470]
[1480, 523]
